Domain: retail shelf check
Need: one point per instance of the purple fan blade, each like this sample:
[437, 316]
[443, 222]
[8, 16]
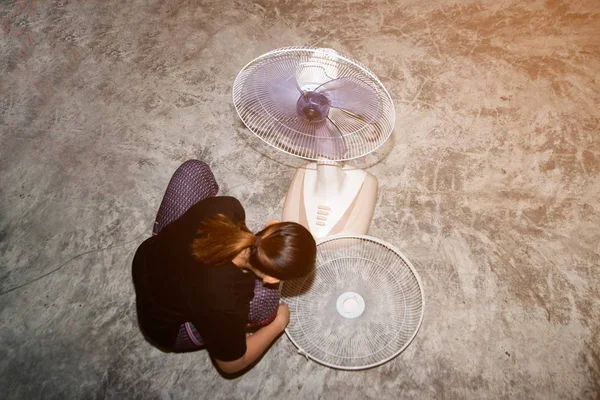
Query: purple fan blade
[354, 96]
[322, 139]
[329, 140]
[278, 80]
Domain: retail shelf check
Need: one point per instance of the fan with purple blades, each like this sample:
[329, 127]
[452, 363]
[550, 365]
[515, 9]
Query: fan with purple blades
[311, 106]
[322, 106]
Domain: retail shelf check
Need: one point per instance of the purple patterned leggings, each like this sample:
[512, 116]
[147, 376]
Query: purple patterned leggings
[194, 181]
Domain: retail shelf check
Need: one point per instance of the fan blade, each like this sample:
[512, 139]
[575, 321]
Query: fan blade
[329, 140]
[357, 133]
[278, 81]
[321, 139]
[354, 96]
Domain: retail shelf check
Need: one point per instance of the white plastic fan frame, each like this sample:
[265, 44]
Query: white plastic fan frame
[408, 342]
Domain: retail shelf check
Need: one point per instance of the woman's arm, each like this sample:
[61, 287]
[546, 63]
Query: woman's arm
[257, 343]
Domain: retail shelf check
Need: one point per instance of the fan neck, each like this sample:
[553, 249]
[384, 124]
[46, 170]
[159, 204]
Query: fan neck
[330, 177]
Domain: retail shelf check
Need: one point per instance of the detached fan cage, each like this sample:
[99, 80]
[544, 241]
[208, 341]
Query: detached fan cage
[361, 307]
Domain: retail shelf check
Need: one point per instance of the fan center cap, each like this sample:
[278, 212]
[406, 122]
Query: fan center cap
[313, 106]
[350, 305]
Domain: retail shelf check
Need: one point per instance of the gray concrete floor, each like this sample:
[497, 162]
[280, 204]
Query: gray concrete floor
[490, 185]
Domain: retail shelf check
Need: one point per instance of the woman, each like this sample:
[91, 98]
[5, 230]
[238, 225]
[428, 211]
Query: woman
[204, 277]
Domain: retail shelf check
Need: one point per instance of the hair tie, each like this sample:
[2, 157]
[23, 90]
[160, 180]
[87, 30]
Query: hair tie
[257, 241]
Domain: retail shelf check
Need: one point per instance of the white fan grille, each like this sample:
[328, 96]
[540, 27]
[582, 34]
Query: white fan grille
[393, 298]
[263, 116]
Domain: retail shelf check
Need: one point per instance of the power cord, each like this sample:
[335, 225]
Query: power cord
[71, 259]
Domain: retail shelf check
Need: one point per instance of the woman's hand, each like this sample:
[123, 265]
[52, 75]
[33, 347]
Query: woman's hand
[257, 343]
[283, 316]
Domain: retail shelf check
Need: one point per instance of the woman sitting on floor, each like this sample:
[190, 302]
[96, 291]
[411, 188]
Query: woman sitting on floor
[204, 278]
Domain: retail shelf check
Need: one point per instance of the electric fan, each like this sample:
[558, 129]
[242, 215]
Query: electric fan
[361, 307]
[321, 106]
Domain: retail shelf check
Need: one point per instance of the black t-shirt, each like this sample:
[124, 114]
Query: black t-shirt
[172, 287]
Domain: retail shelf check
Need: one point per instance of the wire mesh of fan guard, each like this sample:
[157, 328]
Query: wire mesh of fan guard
[384, 280]
[266, 92]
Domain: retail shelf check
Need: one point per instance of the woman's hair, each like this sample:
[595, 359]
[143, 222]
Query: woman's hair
[285, 250]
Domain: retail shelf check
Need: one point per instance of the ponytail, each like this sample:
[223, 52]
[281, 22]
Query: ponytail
[285, 250]
[221, 240]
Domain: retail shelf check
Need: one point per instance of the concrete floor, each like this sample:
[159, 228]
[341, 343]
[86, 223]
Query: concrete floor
[490, 185]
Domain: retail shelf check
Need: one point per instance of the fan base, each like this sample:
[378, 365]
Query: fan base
[329, 199]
